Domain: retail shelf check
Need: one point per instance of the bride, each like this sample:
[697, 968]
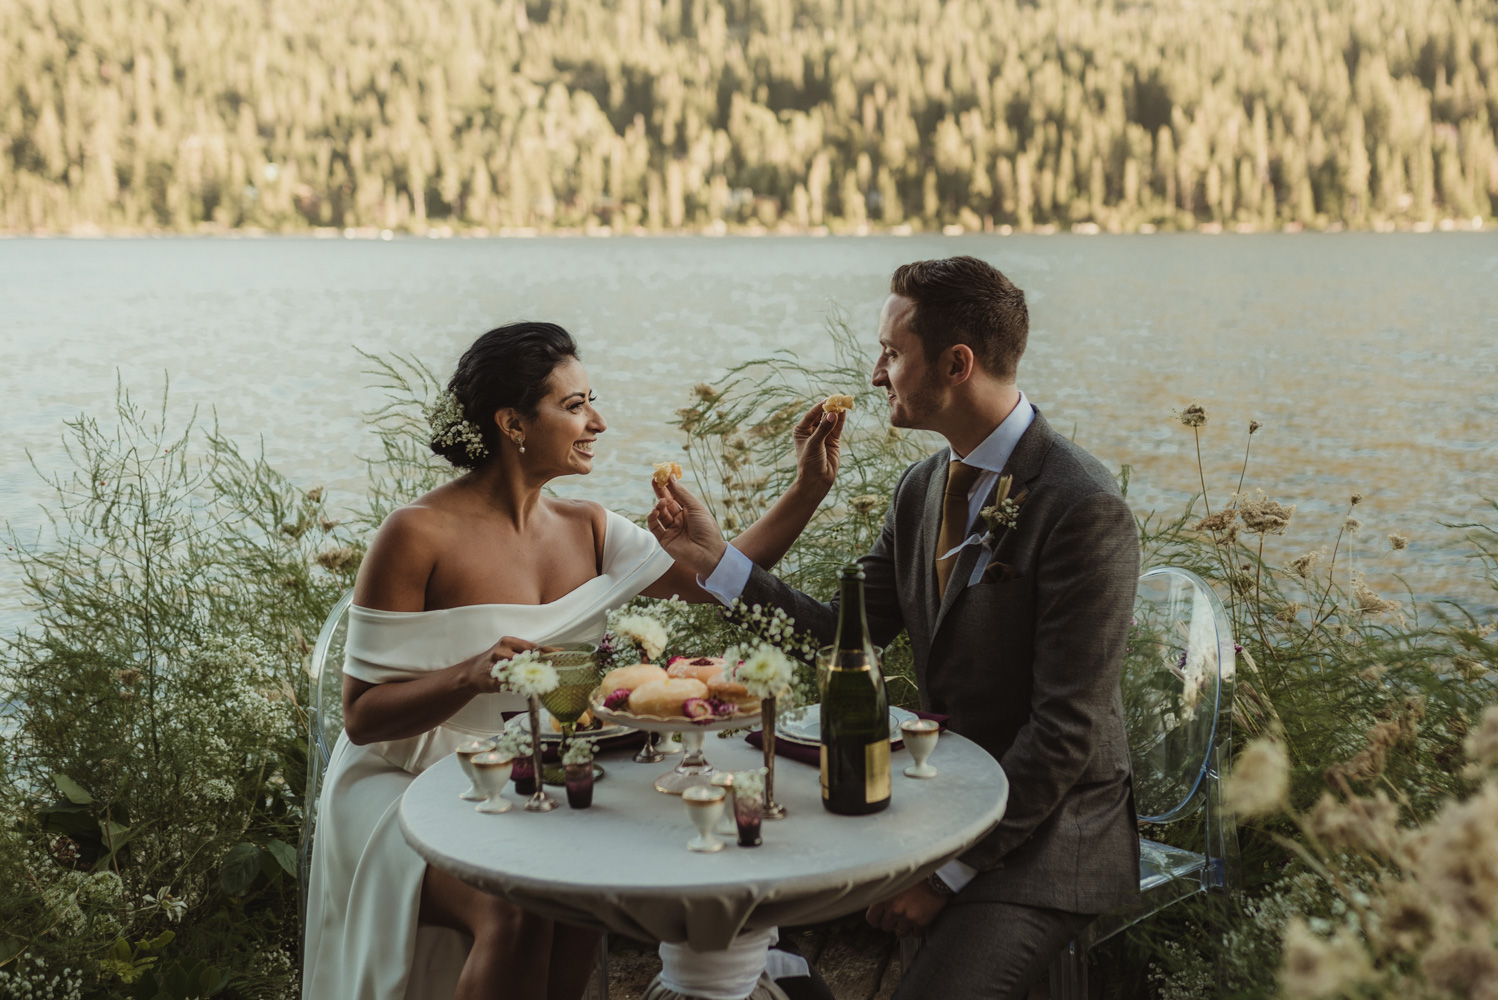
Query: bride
[476, 571]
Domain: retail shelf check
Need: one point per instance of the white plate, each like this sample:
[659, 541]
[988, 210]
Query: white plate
[522, 722]
[808, 728]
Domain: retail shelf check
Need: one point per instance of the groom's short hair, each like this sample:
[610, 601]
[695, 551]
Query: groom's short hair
[963, 300]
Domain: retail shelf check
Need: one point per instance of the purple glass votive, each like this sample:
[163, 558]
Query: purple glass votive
[579, 781]
[524, 774]
[749, 814]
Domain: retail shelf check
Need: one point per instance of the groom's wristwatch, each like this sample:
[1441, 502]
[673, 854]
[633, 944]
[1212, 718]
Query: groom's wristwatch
[939, 887]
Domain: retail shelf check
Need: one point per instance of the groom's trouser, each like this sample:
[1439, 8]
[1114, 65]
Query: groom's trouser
[987, 951]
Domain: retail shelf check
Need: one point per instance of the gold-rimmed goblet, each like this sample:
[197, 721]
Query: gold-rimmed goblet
[466, 752]
[920, 737]
[492, 769]
[576, 664]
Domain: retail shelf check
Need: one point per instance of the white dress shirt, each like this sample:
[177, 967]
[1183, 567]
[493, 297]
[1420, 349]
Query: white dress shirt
[731, 575]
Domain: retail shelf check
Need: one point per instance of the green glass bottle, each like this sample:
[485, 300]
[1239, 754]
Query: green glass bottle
[855, 712]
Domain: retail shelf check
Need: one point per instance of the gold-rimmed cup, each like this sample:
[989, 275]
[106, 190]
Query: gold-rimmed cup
[704, 805]
[920, 736]
[466, 752]
[493, 771]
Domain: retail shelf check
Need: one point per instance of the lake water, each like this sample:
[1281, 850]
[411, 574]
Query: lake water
[1369, 359]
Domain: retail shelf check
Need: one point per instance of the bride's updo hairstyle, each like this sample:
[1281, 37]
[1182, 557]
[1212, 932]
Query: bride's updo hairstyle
[507, 367]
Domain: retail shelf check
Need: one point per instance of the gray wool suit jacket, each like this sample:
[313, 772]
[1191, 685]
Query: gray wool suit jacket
[1026, 662]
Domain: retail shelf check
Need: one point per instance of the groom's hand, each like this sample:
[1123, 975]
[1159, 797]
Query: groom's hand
[909, 912]
[818, 442]
[685, 528]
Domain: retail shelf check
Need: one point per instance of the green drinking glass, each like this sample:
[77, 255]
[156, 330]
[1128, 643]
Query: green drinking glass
[578, 673]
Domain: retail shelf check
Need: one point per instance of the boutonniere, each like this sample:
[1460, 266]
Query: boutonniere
[1004, 511]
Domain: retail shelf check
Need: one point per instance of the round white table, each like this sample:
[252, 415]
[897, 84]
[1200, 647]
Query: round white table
[623, 866]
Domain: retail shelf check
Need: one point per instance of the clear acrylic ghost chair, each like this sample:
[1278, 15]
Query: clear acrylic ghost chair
[325, 724]
[1177, 685]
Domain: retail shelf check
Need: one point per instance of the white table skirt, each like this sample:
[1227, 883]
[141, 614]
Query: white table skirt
[622, 865]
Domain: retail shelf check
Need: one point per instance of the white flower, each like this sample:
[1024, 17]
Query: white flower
[749, 784]
[766, 672]
[526, 674]
[579, 752]
[644, 631]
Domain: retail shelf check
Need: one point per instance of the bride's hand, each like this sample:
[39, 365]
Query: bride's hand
[818, 442]
[481, 667]
[685, 528]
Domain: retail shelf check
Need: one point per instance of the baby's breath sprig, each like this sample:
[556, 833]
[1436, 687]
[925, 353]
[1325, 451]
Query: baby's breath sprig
[451, 426]
[579, 752]
[775, 628]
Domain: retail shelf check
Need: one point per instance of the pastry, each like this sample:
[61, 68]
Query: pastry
[726, 690]
[632, 677]
[702, 668]
[837, 404]
[664, 471]
[664, 698]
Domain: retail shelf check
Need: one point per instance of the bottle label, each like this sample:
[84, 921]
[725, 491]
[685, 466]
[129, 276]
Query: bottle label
[876, 771]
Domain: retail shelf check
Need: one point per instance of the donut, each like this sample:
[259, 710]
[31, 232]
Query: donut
[664, 698]
[631, 677]
[702, 668]
[724, 689]
[837, 404]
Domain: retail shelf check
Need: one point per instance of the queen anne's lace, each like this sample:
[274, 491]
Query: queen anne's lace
[450, 426]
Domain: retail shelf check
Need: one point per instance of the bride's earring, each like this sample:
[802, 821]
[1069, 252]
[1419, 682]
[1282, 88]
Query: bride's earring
[521, 442]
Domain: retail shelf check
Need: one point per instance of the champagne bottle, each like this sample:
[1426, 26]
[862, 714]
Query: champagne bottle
[855, 712]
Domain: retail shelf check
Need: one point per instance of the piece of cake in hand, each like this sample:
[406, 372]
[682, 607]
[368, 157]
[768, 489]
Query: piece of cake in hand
[664, 699]
[664, 471]
[837, 404]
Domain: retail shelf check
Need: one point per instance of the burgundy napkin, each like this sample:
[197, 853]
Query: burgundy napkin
[813, 754]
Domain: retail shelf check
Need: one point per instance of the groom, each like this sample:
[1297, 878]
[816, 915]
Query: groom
[1017, 619]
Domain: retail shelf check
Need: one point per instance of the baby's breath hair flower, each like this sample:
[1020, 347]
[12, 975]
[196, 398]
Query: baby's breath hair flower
[1260, 782]
[1398, 541]
[1352, 525]
[1194, 415]
[1262, 515]
[450, 426]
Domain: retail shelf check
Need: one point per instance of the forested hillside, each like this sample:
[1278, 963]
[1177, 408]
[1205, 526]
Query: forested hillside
[682, 114]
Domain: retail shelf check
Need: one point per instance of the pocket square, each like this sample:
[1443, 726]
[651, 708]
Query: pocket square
[1000, 572]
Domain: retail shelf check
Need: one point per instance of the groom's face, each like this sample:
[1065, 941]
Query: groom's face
[902, 370]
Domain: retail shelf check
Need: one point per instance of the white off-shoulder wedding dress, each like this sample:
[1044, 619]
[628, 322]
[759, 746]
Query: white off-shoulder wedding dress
[362, 939]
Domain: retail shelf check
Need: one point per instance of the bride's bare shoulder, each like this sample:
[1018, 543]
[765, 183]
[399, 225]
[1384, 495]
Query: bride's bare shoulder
[586, 514]
[403, 553]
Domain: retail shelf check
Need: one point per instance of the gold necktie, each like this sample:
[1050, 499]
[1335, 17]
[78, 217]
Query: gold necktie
[960, 480]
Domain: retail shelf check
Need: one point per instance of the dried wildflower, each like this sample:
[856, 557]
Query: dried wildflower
[1367, 826]
[1264, 516]
[893, 435]
[1369, 603]
[450, 426]
[294, 530]
[1216, 522]
[1253, 426]
[1194, 415]
[1316, 967]
[730, 522]
[326, 524]
[1356, 499]
[1303, 565]
[1456, 857]
[688, 417]
[1352, 526]
[314, 495]
[1398, 541]
[867, 503]
[1467, 968]
[705, 392]
[1260, 782]
[1288, 611]
[128, 676]
[334, 560]
[1482, 745]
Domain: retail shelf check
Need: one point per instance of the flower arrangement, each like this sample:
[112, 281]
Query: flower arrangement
[764, 670]
[525, 674]
[579, 752]
[749, 784]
